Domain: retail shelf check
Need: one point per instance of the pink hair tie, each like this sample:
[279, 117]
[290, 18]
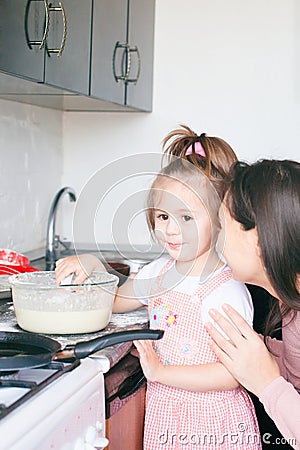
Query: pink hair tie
[199, 150]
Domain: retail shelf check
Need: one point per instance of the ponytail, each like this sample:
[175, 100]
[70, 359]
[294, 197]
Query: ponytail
[211, 155]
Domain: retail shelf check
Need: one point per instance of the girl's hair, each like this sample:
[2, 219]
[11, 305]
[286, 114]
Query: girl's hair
[266, 195]
[214, 162]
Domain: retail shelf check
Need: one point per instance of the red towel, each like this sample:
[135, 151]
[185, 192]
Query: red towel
[12, 269]
[12, 262]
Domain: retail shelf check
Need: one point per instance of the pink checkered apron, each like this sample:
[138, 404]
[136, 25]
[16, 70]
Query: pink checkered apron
[183, 420]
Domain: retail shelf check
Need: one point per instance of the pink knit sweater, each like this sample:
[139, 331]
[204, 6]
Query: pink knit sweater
[281, 398]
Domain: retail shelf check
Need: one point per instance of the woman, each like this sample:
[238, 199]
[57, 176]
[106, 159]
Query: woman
[262, 247]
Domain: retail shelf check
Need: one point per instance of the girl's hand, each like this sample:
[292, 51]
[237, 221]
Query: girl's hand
[134, 352]
[149, 361]
[81, 265]
[245, 355]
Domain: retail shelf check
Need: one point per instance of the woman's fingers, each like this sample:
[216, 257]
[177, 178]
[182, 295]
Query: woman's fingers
[238, 321]
[222, 356]
[220, 340]
[234, 334]
[244, 355]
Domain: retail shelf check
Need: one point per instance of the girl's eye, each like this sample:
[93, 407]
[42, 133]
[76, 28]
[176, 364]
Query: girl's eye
[163, 216]
[186, 218]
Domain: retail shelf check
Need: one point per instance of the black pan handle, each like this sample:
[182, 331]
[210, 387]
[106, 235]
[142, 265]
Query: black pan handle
[86, 348]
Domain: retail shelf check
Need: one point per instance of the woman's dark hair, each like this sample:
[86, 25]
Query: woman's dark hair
[266, 195]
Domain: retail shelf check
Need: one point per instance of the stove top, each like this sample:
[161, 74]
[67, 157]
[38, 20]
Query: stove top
[19, 386]
[61, 407]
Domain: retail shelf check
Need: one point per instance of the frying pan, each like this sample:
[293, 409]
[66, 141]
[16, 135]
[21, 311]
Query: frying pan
[27, 350]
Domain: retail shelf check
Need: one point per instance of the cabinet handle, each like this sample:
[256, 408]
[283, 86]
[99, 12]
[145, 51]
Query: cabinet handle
[127, 51]
[61, 9]
[125, 54]
[41, 43]
[136, 79]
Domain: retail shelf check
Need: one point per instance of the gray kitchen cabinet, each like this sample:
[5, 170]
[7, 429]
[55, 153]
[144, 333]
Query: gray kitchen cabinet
[16, 56]
[47, 42]
[122, 52]
[91, 55]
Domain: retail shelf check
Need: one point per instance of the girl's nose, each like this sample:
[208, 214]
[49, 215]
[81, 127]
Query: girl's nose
[173, 226]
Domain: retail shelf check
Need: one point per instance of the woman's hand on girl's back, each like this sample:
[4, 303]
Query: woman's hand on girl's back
[244, 355]
[80, 265]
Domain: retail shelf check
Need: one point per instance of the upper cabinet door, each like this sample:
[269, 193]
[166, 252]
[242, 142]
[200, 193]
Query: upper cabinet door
[67, 60]
[98, 48]
[47, 41]
[122, 52]
[108, 50]
[22, 35]
[140, 39]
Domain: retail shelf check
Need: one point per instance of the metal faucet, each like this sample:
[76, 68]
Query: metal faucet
[53, 240]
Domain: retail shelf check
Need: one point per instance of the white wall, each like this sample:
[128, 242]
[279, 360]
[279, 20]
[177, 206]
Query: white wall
[230, 69]
[30, 172]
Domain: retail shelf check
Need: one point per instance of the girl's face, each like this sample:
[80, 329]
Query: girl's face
[182, 223]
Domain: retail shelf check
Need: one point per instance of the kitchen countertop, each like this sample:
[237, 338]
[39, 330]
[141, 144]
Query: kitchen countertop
[119, 322]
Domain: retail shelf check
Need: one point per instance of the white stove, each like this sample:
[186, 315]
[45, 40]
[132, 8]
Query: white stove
[60, 406]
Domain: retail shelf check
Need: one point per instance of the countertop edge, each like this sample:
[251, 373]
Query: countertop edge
[137, 319]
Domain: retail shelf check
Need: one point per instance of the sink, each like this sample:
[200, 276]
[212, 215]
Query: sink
[131, 258]
[113, 262]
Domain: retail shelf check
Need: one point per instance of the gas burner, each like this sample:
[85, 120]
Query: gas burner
[16, 387]
[13, 382]
[11, 375]
[58, 412]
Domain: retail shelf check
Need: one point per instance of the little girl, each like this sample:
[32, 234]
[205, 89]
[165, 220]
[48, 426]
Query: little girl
[192, 400]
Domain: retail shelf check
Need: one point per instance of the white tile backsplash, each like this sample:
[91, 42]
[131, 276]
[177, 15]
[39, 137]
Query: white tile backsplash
[30, 172]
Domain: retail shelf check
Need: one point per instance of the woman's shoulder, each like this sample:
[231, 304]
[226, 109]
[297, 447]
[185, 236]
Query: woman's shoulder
[292, 321]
